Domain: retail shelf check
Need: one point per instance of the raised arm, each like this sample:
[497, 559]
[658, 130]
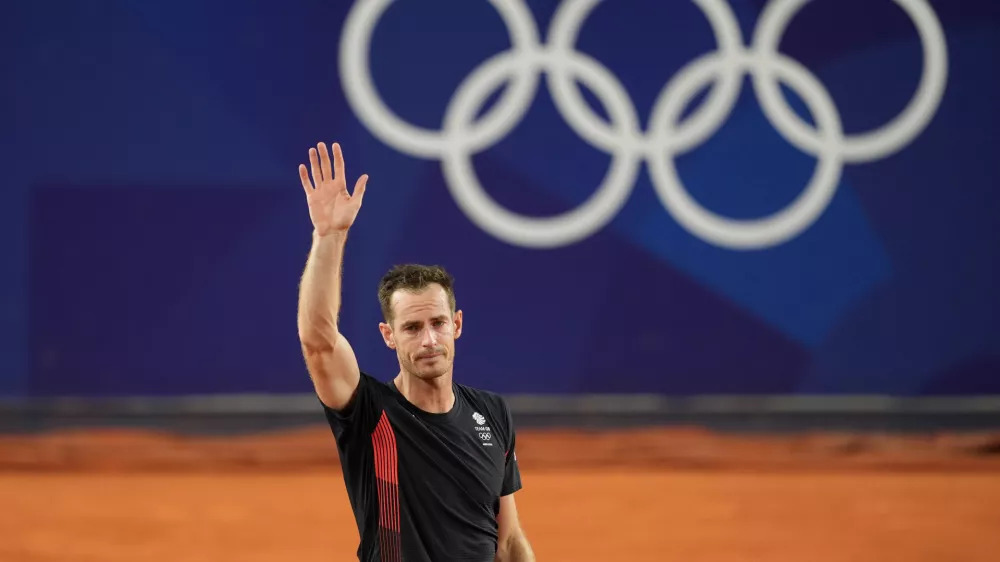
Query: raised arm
[329, 357]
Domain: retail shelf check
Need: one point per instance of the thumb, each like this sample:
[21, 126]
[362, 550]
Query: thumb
[359, 188]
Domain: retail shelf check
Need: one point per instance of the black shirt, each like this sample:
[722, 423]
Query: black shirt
[425, 487]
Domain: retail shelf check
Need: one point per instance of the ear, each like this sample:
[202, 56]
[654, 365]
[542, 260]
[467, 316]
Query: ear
[457, 319]
[387, 337]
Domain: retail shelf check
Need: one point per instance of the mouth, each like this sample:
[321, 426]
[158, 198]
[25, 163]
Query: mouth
[427, 356]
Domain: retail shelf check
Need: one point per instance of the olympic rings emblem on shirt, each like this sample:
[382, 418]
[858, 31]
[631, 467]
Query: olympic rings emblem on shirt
[664, 136]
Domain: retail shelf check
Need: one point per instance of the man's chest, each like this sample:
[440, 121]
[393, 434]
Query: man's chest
[457, 460]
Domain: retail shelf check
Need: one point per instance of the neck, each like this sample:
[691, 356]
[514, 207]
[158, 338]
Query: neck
[434, 396]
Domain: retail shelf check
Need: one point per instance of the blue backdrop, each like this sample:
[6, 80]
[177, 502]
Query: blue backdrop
[152, 227]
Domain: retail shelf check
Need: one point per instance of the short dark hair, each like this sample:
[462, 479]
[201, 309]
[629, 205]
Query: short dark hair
[413, 278]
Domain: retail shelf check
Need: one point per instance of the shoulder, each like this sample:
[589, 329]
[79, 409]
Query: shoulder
[376, 383]
[494, 399]
[369, 394]
[361, 413]
[494, 404]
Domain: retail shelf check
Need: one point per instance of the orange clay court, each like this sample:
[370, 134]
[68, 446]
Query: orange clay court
[649, 495]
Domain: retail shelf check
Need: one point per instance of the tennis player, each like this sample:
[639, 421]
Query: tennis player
[428, 463]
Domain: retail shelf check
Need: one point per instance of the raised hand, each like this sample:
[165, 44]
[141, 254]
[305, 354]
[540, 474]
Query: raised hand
[331, 208]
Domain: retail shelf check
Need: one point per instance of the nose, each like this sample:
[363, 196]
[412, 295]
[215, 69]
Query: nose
[429, 338]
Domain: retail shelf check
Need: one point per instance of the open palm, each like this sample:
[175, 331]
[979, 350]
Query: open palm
[331, 207]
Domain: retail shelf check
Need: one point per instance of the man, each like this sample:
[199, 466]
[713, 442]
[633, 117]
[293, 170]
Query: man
[429, 464]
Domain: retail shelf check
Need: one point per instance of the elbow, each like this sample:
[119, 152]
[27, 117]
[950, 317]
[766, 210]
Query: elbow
[314, 344]
[504, 547]
[514, 548]
[317, 336]
[312, 347]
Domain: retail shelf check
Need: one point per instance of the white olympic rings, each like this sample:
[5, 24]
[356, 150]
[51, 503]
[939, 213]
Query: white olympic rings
[624, 139]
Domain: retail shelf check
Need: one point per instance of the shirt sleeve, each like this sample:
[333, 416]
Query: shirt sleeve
[361, 413]
[512, 474]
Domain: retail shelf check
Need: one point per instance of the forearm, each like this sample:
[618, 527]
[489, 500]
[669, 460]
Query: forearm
[515, 549]
[319, 291]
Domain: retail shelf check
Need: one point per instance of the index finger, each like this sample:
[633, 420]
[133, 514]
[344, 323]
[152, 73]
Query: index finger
[338, 163]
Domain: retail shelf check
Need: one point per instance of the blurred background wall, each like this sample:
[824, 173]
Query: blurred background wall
[153, 229]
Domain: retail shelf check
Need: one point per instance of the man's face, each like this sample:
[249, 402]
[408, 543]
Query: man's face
[423, 331]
